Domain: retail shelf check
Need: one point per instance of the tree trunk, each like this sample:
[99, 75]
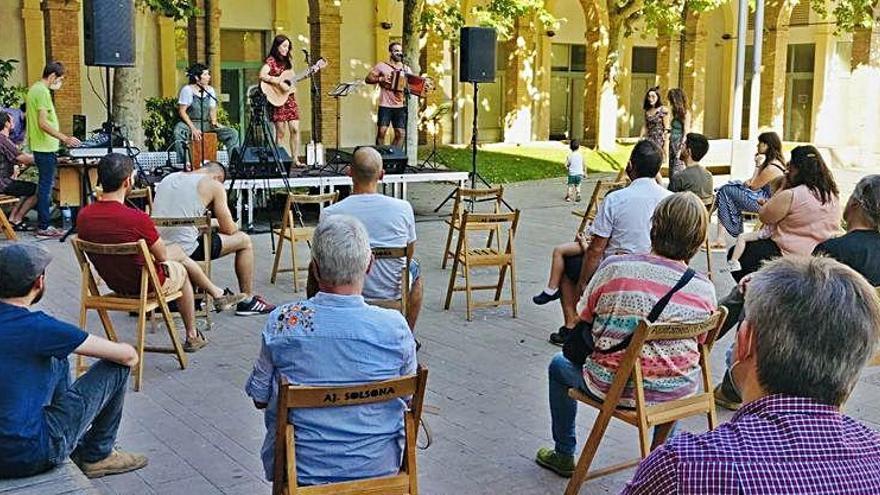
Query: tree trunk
[606, 131]
[128, 97]
[412, 29]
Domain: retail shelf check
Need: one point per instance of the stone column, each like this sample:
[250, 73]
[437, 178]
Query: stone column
[774, 53]
[541, 106]
[694, 70]
[62, 19]
[34, 40]
[520, 82]
[381, 35]
[325, 19]
[438, 69]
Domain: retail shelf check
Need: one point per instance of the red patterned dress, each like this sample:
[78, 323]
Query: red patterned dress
[290, 110]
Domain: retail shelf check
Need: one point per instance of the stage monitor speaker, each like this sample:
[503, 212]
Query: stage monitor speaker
[393, 159]
[257, 163]
[477, 55]
[108, 33]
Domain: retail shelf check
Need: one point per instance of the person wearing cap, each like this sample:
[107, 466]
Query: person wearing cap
[110, 221]
[44, 419]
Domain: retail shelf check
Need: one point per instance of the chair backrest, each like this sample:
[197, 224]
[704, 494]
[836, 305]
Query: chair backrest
[144, 193]
[463, 195]
[601, 190]
[297, 397]
[489, 222]
[407, 253]
[149, 278]
[295, 200]
[630, 365]
[203, 223]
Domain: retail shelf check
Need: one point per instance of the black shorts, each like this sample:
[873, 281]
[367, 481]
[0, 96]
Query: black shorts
[572, 268]
[216, 248]
[394, 116]
[20, 189]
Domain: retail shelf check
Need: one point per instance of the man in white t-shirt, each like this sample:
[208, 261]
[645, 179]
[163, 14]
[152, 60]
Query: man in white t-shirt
[622, 226]
[390, 223]
[197, 108]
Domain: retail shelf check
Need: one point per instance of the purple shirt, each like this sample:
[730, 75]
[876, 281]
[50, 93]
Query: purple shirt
[775, 445]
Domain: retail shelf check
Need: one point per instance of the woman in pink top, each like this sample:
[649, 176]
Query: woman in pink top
[805, 213]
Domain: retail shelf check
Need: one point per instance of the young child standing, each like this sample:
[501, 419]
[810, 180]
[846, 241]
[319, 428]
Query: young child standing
[575, 165]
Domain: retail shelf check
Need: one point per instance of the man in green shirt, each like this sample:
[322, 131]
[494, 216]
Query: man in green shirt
[43, 139]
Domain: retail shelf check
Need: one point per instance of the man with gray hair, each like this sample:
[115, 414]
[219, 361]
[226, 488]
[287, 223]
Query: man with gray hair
[335, 338]
[859, 248]
[811, 326]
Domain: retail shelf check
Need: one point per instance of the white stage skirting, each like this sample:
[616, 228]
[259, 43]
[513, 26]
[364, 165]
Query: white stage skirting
[397, 183]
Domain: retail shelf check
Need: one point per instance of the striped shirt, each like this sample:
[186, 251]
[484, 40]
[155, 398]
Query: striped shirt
[622, 292]
[775, 445]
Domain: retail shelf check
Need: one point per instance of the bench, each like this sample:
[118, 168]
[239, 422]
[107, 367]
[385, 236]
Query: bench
[64, 479]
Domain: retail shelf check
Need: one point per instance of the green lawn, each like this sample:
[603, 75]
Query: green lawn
[501, 163]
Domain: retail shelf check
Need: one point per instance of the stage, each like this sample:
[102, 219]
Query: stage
[248, 188]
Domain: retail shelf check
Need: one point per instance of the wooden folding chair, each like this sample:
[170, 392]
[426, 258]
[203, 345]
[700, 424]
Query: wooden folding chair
[295, 397]
[5, 225]
[709, 203]
[461, 198]
[468, 257]
[150, 298]
[146, 194]
[622, 176]
[589, 215]
[291, 233]
[401, 304]
[644, 417]
[203, 223]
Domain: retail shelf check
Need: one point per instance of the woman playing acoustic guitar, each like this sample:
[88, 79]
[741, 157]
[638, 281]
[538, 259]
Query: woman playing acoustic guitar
[285, 117]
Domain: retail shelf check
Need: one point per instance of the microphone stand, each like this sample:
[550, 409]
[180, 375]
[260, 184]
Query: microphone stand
[314, 97]
[204, 92]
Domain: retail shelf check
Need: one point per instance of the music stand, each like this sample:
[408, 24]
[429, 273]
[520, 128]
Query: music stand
[340, 91]
[434, 118]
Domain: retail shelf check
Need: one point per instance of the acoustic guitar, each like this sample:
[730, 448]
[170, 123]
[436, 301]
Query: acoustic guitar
[277, 94]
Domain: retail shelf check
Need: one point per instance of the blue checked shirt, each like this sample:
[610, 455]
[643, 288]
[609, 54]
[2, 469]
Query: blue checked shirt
[334, 340]
[775, 445]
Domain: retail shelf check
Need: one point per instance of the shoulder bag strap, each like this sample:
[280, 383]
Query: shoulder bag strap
[655, 311]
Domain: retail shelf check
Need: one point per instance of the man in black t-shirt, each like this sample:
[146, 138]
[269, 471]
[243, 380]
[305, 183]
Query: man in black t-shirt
[859, 248]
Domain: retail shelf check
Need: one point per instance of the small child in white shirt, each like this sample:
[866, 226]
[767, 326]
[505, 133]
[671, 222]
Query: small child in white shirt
[575, 165]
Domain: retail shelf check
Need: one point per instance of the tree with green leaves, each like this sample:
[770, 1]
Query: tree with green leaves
[128, 98]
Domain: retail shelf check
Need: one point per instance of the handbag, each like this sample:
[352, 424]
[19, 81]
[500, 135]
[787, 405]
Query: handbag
[580, 345]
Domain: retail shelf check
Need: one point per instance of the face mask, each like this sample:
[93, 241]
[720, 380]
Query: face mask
[56, 85]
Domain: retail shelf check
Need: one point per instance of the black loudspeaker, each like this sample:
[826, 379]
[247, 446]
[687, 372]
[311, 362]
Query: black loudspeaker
[477, 58]
[393, 159]
[108, 32]
[257, 163]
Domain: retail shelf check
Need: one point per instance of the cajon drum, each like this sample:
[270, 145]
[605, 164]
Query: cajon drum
[210, 149]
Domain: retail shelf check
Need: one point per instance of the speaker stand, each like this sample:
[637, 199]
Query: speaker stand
[474, 175]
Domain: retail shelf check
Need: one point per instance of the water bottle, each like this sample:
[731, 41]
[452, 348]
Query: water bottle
[66, 218]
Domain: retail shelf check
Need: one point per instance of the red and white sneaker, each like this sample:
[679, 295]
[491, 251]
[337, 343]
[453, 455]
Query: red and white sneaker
[256, 306]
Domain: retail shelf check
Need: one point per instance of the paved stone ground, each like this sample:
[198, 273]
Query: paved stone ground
[487, 391]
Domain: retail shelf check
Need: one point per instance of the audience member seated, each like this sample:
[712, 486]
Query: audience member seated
[810, 327]
[859, 248]
[389, 222]
[110, 221]
[44, 419]
[622, 226]
[10, 158]
[694, 177]
[191, 194]
[736, 197]
[804, 213]
[623, 291]
[336, 338]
